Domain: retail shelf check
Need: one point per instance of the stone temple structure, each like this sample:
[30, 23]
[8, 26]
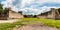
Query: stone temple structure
[9, 14]
[52, 14]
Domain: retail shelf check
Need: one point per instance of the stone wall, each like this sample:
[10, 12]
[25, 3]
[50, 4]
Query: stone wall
[50, 14]
[9, 14]
[15, 15]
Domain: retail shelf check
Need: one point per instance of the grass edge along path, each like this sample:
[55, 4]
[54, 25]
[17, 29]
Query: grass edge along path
[47, 22]
[23, 21]
[9, 26]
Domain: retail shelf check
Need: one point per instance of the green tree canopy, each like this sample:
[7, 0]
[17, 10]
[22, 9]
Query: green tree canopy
[59, 10]
[1, 9]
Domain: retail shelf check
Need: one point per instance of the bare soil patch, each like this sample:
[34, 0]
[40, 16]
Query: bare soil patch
[35, 26]
[8, 21]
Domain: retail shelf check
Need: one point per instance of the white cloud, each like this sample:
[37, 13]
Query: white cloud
[7, 3]
[14, 8]
[33, 9]
[22, 3]
[49, 1]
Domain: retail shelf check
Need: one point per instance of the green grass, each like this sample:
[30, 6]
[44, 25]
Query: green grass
[9, 26]
[47, 22]
[24, 21]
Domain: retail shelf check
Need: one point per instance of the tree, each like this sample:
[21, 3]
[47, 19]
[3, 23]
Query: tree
[20, 12]
[59, 10]
[1, 9]
[35, 16]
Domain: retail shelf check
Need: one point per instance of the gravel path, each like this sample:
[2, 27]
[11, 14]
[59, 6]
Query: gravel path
[8, 21]
[35, 27]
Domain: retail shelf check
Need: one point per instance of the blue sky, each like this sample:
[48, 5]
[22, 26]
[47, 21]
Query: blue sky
[31, 6]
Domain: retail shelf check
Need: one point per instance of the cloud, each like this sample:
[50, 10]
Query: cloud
[36, 3]
[31, 6]
[24, 2]
[49, 1]
[7, 3]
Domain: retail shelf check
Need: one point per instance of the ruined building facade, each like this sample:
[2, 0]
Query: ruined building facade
[52, 14]
[9, 14]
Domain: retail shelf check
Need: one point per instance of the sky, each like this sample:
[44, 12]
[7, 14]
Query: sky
[31, 6]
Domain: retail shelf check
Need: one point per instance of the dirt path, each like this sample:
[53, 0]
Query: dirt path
[35, 27]
[8, 21]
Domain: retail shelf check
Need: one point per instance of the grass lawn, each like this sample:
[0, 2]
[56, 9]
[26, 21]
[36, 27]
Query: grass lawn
[9, 26]
[24, 21]
[47, 22]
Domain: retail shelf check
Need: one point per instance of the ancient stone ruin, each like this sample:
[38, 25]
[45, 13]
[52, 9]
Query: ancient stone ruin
[9, 14]
[52, 14]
